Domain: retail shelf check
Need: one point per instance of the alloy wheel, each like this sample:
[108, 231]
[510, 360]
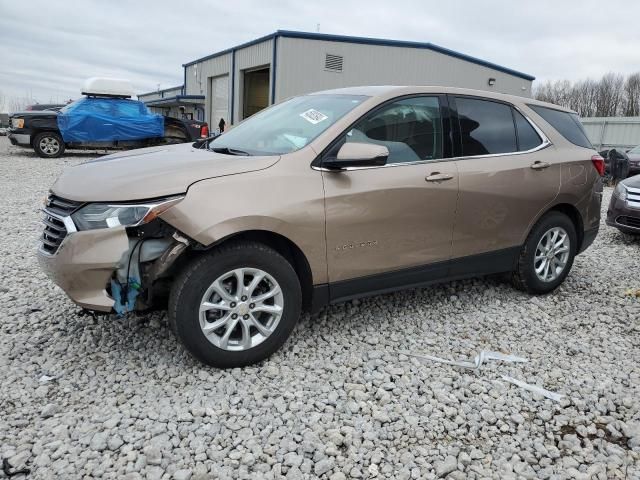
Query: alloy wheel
[241, 308]
[552, 254]
[50, 145]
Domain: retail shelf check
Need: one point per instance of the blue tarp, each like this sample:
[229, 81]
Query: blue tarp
[106, 119]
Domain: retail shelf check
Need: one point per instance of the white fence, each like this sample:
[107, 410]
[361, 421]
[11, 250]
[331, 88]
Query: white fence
[613, 132]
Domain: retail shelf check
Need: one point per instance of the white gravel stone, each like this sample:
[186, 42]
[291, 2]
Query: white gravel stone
[49, 410]
[448, 465]
[182, 474]
[124, 400]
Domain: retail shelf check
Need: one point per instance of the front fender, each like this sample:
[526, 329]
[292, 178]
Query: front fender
[285, 199]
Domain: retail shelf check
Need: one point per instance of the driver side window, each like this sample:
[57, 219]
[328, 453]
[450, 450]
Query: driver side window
[411, 129]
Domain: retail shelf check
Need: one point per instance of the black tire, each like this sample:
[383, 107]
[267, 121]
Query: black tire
[56, 145]
[191, 284]
[524, 277]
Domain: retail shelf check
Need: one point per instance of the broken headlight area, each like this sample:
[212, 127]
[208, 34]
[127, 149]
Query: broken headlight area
[107, 215]
[153, 249]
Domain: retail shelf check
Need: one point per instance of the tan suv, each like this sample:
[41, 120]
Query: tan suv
[323, 198]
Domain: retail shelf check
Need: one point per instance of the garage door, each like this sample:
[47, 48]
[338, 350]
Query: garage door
[219, 102]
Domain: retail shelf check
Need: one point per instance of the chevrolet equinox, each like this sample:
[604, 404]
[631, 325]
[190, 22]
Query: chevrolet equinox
[320, 199]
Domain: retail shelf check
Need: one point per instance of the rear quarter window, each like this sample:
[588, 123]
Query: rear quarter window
[567, 124]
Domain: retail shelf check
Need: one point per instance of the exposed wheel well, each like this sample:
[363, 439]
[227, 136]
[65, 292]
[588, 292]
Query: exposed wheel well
[287, 249]
[36, 131]
[573, 213]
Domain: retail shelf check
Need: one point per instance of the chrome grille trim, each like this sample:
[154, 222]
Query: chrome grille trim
[57, 223]
[633, 197]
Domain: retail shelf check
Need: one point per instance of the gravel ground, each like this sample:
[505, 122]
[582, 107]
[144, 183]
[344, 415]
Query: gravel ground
[119, 398]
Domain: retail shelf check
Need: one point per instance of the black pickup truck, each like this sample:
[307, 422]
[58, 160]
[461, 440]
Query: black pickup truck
[41, 131]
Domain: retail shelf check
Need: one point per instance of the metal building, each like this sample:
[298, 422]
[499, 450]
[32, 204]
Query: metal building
[612, 132]
[172, 102]
[242, 80]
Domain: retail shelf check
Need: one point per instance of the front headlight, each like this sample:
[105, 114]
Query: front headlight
[621, 192]
[106, 215]
[17, 122]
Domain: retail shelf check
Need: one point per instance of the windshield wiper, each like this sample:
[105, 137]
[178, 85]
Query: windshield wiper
[231, 151]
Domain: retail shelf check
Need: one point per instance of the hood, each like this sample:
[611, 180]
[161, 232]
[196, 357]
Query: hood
[34, 113]
[150, 173]
[633, 182]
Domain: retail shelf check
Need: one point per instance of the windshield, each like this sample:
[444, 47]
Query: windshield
[286, 127]
[68, 106]
[635, 149]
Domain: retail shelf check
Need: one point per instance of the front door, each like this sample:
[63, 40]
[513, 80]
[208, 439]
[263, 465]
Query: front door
[396, 219]
[506, 178]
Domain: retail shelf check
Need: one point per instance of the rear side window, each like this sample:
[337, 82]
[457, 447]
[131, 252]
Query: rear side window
[567, 124]
[528, 138]
[486, 127]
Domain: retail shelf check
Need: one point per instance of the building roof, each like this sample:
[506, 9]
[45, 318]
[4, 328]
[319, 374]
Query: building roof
[367, 41]
[155, 92]
[175, 101]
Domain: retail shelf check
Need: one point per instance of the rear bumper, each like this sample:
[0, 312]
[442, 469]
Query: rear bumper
[588, 238]
[84, 263]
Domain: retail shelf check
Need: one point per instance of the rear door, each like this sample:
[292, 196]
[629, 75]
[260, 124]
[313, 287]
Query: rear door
[385, 224]
[507, 176]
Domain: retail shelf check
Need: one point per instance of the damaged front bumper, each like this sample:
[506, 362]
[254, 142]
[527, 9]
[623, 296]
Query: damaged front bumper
[84, 265]
[107, 269]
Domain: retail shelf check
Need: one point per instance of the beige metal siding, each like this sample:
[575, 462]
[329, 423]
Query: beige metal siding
[618, 132]
[254, 56]
[300, 68]
[198, 75]
[198, 78]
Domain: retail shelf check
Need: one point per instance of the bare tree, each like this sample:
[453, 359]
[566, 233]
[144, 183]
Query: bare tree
[18, 104]
[2, 102]
[632, 95]
[610, 93]
[610, 96]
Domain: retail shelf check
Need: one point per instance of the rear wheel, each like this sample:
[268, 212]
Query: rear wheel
[547, 255]
[236, 305]
[48, 145]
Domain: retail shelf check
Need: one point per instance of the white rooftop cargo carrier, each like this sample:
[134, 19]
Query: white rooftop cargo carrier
[107, 87]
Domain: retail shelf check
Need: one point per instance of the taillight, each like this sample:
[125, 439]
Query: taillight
[204, 131]
[598, 162]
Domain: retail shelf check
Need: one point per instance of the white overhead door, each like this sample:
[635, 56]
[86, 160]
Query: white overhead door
[219, 102]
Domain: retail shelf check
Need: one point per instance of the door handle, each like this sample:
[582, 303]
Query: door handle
[540, 165]
[438, 177]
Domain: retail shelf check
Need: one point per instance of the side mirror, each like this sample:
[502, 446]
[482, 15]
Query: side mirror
[353, 154]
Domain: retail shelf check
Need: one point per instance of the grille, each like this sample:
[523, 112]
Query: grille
[629, 221]
[333, 62]
[54, 226]
[633, 197]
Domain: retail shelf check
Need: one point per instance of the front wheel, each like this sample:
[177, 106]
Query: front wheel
[547, 255]
[48, 145]
[236, 305]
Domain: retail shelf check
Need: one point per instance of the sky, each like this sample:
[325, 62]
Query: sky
[47, 49]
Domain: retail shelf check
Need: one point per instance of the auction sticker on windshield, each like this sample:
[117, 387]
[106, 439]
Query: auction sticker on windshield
[313, 116]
